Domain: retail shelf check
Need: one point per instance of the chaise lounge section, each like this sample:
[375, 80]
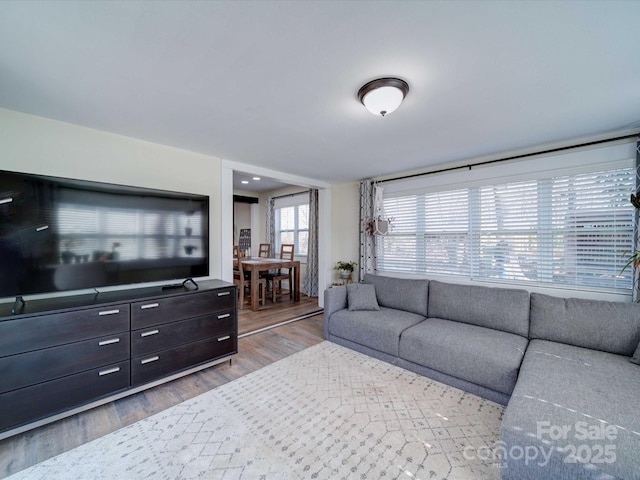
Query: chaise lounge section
[574, 407]
[562, 366]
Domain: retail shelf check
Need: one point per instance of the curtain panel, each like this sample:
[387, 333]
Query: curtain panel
[368, 260]
[310, 285]
[271, 223]
[636, 230]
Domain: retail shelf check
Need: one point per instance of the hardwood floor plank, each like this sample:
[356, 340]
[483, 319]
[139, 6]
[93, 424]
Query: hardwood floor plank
[274, 313]
[255, 352]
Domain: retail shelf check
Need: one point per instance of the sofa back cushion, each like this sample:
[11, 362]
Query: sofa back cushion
[503, 309]
[401, 293]
[612, 327]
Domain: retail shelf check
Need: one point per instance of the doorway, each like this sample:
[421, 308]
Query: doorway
[250, 190]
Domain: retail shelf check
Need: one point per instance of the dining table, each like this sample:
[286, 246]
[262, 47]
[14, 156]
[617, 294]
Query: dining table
[255, 265]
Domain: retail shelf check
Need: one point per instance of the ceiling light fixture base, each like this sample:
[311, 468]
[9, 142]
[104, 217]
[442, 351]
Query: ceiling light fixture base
[383, 95]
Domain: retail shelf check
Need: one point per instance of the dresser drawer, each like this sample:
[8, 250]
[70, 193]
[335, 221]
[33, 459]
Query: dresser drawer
[34, 333]
[44, 399]
[166, 362]
[167, 335]
[50, 363]
[165, 310]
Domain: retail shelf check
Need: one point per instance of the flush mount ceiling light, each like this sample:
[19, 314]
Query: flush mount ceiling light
[383, 95]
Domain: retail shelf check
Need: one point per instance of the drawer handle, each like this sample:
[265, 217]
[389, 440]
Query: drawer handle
[149, 305]
[109, 342]
[109, 312]
[149, 360]
[220, 317]
[150, 332]
[109, 370]
[222, 339]
[222, 294]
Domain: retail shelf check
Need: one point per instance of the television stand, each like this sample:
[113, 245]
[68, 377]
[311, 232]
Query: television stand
[14, 309]
[63, 355]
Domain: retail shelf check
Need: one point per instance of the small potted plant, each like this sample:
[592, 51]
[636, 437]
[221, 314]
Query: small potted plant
[345, 269]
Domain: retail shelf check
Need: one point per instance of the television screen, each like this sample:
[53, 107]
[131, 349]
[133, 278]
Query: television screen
[60, 234]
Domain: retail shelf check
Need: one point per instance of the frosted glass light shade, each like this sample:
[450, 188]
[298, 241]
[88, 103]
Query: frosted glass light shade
[384, 95]
[383, 101]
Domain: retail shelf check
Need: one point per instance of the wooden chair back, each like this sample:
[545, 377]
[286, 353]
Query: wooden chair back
[286, 251]
[243, 281]
[237, 255]
[265, 250]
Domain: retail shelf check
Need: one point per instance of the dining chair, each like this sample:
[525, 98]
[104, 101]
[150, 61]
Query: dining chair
[286, 253]
[243, 280]
[265, 250]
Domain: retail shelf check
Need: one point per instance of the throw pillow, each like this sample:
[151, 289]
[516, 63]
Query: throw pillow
[636, 355]
[361, 296]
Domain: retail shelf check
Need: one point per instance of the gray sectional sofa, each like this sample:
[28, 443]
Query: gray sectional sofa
[563, 367]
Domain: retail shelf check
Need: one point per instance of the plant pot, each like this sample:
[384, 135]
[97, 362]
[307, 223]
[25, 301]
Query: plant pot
[381, 227]
[344, 274]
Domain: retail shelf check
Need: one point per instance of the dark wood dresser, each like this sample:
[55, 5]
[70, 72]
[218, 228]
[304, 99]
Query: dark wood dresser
[64, 355]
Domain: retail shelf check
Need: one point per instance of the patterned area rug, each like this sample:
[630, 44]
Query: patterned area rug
[326, 412]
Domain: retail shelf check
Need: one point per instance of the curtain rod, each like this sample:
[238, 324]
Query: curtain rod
[514, 157]
[291, 194]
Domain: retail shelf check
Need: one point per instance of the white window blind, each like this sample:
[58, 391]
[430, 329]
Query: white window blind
[572, 230]
[292, 223]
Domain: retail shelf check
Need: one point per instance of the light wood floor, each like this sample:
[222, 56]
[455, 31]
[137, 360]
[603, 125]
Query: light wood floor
[275, 313]
[255, 352]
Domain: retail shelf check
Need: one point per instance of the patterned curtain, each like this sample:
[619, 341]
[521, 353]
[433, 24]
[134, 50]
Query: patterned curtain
[368, 261]
[636, 229]
[271, 225]
[310, 285]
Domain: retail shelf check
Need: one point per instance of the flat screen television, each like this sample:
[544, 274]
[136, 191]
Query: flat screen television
[59, 234]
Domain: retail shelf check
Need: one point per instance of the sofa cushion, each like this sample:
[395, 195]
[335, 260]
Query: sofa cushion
[503, 309]
[612, 327]
[483, 356]
[636, 355]
[579, 390]
[379, 330]
[401, 293]
[361, 296]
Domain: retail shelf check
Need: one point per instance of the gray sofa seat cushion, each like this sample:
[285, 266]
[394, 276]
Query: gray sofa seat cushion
[636, 356]
[379, 330]
[503, 309]
[612, 327]
[483, 356]
[401, 293]
[562, 385]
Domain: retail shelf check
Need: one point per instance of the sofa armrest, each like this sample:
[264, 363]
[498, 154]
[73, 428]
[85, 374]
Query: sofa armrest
[335, 298]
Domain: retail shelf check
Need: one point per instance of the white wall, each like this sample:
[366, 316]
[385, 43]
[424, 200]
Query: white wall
[241, 219]
[345, 220]
[34, 144]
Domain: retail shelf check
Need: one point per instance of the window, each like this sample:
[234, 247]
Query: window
[292, 223]
[573, 230]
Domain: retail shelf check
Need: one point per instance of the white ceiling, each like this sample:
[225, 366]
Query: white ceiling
[263, 184]
[274, 84]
